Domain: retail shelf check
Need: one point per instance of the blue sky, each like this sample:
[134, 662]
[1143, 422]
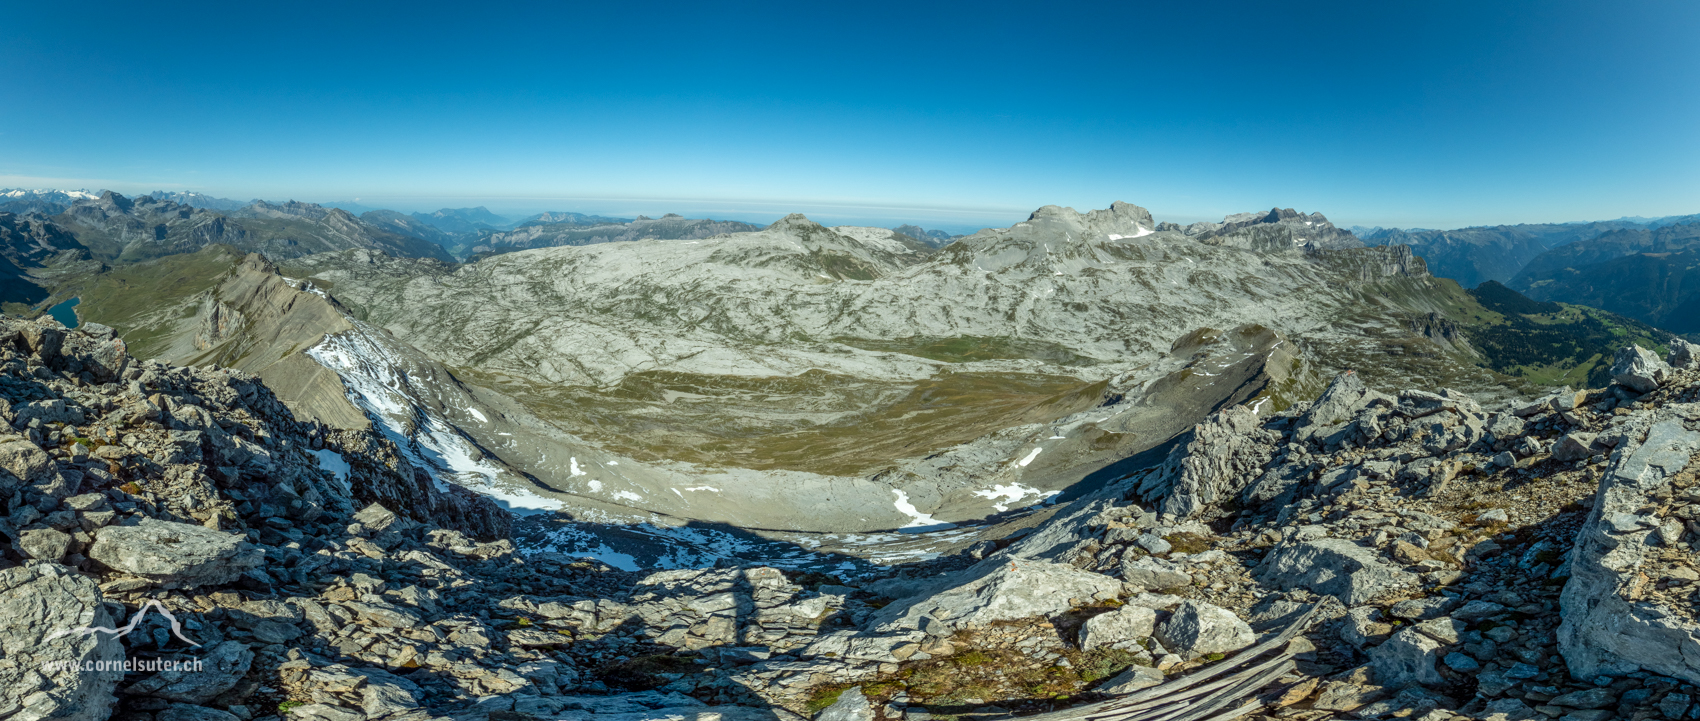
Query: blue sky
[1432, 114]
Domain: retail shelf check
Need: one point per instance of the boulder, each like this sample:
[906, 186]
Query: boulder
[1683, 355]
[996, 589]
[25, 461]
[1574, 446]
[1406, 658]
[1133, 679]
[1119, 628]
[1638, 369]
[175, 554]
[1332, 566]
[852, 705]
[44, 543]
[1197, 629]
[55, 667]
[1153, 572]
[1603, 630]
[221, 668]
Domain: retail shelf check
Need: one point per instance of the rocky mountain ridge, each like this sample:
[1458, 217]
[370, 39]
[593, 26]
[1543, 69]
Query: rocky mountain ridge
[1444, 559]
[115, 228]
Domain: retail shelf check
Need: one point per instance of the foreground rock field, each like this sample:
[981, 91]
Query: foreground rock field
[1527, 560]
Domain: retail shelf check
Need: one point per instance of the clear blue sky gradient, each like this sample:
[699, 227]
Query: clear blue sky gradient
[1434, 114]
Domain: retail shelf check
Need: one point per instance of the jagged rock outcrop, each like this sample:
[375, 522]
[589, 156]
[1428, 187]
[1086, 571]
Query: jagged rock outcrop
[1609, 625]
[1639, 369]
[55, 666]
[1222, 454]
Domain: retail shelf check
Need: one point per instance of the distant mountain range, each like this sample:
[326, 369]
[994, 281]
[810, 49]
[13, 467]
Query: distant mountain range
[199, 200]
[113, 228]
[44, 202]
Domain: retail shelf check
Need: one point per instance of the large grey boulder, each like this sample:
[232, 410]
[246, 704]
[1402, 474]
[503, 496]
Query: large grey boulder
[1574, 446]
[1639, 369]
[175, 555]
[44, 543]
[1605, 628]
[51, 668]
[1406, 658]
[25, 463]
[1118, 628]
[1197, 628]
[1683, 355]
[1332, 566]
[997, 589]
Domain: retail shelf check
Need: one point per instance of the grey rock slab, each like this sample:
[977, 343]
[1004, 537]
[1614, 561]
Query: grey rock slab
[1196, 629]
[376, 613]
[1332, 566]
[852, 705]
[1586, 698]
[1117, 628]
[997, 589]
[1603, 631]
[1153, 572]
[1574, 446]
[44, 543]
[43, 674]
[24, 461]
[1133, 679]
[1683, 355]
[175, 554]
[221, 668]
[1638, 369]
[1408, 657]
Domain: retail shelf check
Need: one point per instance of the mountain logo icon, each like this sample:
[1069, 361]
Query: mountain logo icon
[176, 628]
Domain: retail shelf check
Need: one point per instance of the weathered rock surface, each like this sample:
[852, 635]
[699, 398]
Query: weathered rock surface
[1196, 629]
[1120, 628]
[1683, 355]
[54, 667]
[996, 590]
[175, 554]
[1607, 627]
[1638, 369]
[1332, 566]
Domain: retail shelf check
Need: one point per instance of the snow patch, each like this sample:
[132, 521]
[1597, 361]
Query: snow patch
[627, 496]
[1012, 494]
[1139, 232]
[1029, 459]
[574, 470]
[921, 521]
[479, 416]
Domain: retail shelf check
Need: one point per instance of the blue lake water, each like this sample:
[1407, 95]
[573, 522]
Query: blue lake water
[65, 313]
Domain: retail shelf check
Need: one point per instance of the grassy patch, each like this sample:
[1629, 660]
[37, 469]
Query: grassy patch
[816, 421]
[145, 302]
